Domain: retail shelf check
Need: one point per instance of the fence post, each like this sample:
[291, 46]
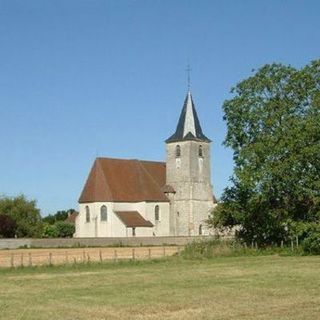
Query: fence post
[84, 256]
[12, 260]
[291, 244]
[164, 251]
[133, 254]
[30, 260]
[100, 255]
[50, 258]
[149, 253]
[88, 257]
[21, 260]
[281, 243]
[67, 257]
[297, 241]
[115, 256]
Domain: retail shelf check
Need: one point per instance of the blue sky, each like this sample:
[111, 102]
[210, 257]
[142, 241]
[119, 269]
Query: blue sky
[80, 79]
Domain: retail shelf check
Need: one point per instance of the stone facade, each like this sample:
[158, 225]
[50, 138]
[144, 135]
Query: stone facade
[189, 175]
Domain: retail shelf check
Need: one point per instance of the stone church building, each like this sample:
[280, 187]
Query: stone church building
[125, 198]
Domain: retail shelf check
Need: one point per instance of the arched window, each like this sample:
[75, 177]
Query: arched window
[103, 213]
[87, 214]
[156, 213]
[178, 151]
[200, 151]
[200, 230]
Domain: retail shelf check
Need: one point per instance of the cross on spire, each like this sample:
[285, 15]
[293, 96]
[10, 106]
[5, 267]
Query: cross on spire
[188, 70]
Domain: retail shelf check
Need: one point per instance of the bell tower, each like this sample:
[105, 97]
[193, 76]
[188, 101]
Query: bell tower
[188, 174]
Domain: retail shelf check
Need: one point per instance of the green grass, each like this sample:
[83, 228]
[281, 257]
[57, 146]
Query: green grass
[250, 287]
[230, 248]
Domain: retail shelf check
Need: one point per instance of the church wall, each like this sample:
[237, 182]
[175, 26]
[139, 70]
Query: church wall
[147, 210]
[97, 228]
[189, 215]
[162, 226]
[114, 227]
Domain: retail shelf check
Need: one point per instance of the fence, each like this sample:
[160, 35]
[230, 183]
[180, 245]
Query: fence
[38, 257]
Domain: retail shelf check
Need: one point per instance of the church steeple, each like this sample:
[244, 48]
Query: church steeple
[188, 127]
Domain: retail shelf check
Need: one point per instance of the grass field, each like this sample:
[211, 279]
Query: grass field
[263, 287]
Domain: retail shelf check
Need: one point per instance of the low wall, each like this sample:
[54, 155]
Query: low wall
[97, 242]
[15, 243]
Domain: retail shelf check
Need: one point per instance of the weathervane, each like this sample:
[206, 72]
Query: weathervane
[188, 71]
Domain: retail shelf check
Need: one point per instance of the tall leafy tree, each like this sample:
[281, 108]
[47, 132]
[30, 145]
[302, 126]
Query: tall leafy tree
[273, 128]
[25, 214]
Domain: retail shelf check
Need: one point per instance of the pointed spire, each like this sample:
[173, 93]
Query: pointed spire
[188, 127]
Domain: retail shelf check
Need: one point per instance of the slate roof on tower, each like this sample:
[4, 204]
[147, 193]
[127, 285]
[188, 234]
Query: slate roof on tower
[121, 180]
[188, 127]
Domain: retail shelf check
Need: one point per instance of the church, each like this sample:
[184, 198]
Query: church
[127, 198]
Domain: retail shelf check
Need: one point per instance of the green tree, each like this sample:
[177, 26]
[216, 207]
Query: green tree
[25, 214]
[273, 128]
[60, 229]
[65, 229]
[60, 215]
[49, 231]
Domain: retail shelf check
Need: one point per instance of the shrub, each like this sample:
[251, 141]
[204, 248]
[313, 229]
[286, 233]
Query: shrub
[311, 243]
[231, 248]
[212, 248]
[65, 229]
[50, 231]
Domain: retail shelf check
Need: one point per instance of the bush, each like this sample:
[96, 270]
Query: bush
[65, 229]
[60, 229]
[7, 226]
[50, 231]
[212, 248]
[231, 248]
[311, 243]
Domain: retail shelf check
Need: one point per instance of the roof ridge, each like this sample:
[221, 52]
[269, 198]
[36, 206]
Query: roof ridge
[123, 159]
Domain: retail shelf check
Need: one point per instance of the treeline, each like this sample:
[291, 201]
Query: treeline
[20, 218]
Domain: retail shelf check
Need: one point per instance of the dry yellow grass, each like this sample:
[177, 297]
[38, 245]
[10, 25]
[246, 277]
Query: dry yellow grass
[269, 287]
[46, 256]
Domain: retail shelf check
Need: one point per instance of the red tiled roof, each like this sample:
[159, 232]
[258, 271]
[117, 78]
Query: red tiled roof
[72, 217]
[120, 180]
[133, 219]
